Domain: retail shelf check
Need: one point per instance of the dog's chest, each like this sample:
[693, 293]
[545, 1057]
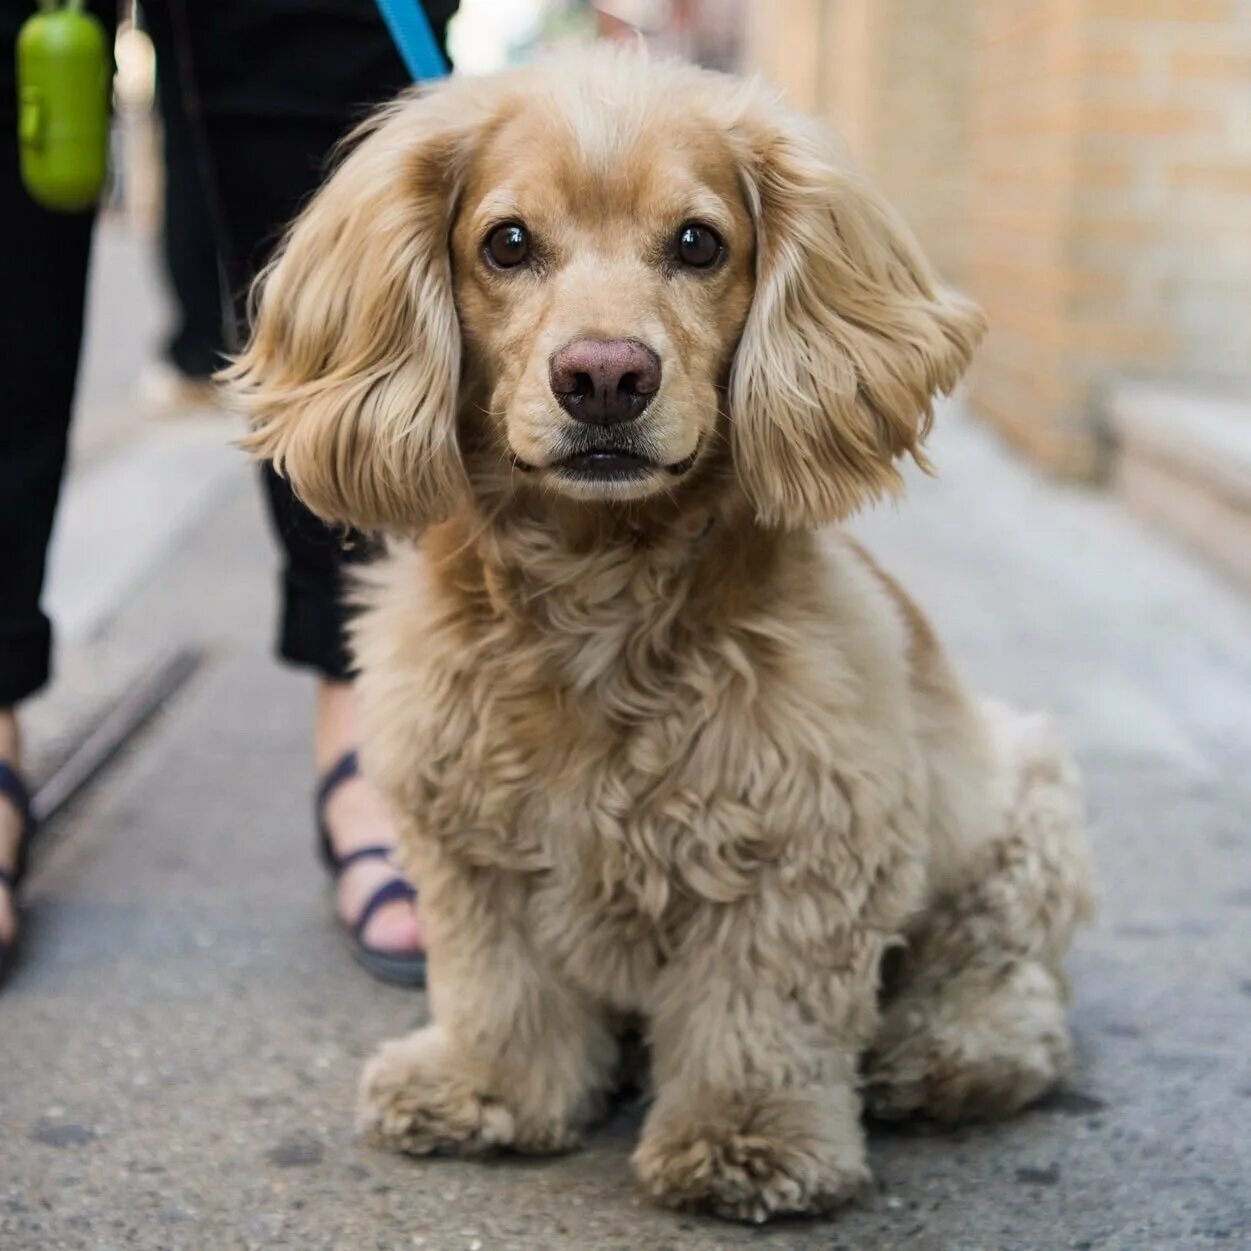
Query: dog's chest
[632, 797]
[602, 748]
[639, 832]
[637, 765]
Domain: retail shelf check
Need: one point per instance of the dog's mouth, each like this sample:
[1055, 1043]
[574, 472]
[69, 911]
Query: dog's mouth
[614, 465]
[610, 464]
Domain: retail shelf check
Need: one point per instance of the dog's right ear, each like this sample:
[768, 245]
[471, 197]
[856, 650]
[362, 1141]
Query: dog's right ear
[351, 377]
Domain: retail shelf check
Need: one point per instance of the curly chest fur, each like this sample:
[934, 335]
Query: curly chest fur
[641, 745]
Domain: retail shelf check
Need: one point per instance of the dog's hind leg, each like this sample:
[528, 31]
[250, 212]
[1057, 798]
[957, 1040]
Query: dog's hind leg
[975, 1006]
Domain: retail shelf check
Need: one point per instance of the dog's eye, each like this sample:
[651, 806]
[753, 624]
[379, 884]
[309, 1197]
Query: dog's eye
[508, 246]
[699, 246]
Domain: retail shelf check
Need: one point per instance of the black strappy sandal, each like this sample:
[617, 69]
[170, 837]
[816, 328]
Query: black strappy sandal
[14, 790]
[404, 970]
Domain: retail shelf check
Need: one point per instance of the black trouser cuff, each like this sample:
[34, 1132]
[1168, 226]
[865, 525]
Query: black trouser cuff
[312, 629]
[24, 661]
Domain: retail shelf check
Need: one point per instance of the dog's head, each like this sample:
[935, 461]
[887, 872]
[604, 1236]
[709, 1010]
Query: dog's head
[594, 271]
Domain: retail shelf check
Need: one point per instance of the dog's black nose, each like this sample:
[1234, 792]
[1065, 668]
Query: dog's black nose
[605, 381]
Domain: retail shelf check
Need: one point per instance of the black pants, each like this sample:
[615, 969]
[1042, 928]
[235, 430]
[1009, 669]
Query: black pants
[196, 340]
[271, 85]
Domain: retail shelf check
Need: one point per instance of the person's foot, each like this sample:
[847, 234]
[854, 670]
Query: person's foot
[165, 391]
[11, 826]
[357, 817]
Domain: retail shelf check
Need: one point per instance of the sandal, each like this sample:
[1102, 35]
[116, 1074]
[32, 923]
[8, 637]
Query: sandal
[408, 969]
[14, 790]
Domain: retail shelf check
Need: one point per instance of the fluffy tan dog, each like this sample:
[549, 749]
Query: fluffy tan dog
[614, 337]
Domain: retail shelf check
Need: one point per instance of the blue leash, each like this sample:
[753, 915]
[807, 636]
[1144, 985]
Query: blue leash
[410, 28]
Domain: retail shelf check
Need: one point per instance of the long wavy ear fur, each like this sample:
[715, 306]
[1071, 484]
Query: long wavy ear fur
[351, 376]
[849, 337]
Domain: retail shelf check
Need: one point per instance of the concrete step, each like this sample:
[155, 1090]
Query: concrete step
[1184, 462]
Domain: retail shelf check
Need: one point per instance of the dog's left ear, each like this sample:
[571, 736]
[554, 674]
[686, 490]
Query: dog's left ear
[848, 339]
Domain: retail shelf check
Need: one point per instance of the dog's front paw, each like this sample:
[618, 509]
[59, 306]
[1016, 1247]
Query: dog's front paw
[416, 1098]
[413, 1099]
[759, 1168]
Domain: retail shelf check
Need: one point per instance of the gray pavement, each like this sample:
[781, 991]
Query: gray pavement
[179, 1050]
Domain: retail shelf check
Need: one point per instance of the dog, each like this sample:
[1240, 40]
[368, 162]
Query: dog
[601, 344]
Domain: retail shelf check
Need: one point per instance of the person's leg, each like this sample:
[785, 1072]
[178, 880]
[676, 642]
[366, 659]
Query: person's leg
[43, 268]
[276, 88]
[195, 343]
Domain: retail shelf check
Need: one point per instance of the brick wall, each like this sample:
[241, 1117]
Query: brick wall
[1025, 156]
[920, 92]
[1082, 166]
[1177, 118]
[1112, 216]
[891, 76]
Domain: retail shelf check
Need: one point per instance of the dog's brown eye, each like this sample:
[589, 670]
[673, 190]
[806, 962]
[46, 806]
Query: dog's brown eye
[698, 246]
[508, 246]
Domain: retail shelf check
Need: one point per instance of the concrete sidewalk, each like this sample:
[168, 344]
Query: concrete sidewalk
[178, 1053]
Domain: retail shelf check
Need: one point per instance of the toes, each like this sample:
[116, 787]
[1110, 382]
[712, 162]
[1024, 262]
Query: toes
[419, 1095]
[8, 918]
[412, 1099]
[395, 928]
[10, 836]
[750, 1176]
[357, 819]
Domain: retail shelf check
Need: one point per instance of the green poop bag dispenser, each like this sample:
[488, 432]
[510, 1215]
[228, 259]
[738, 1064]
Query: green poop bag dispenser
[63, 80]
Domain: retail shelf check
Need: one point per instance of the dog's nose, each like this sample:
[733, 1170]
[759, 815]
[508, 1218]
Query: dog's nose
[605, 381]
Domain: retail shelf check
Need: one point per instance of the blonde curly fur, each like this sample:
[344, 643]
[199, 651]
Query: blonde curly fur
[663, 752]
